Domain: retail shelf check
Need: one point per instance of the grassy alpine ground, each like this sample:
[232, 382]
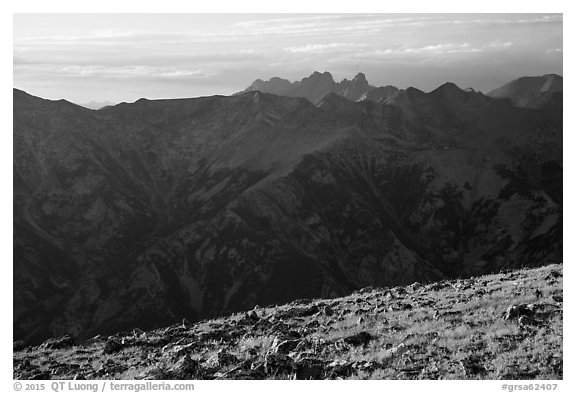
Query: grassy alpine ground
[499, 326]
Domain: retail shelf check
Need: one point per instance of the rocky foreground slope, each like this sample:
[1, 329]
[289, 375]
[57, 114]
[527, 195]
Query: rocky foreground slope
[501, 326]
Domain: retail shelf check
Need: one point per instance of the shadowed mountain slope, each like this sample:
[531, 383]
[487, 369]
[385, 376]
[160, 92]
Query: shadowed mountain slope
[141, 214]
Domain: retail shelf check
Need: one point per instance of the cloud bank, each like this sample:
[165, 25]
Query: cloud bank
[125, 57]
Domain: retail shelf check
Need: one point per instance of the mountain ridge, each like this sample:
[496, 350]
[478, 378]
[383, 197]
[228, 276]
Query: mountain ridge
[530, 91]
[197, 207]
[526, 92]
[315, 87]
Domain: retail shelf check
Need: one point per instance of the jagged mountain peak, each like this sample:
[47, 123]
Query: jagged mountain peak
[317, 77]
[274, 85]
[356, 90]
[325, 74]
[360, 77]
[449, 90]
[412, 91]
[315, 86]
[448, 86]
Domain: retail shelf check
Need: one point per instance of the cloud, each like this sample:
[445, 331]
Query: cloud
[556, 18]
[420, 51]
[160, 52]
[499, 45]
[324, 48]
[122, 73]
[432, 50]
[372, 24]
[349, 25]
[441, 49]
[133, 58]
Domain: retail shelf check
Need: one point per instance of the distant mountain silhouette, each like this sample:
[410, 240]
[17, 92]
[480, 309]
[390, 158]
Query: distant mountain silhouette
[318, 85]
[97, 105]
[141, 214]
[531, 91]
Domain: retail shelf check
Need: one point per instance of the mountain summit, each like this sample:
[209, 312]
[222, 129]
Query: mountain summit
[530, 91]
[318, 85]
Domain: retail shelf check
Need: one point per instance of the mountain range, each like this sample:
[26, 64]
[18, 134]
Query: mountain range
[525, 92]
[141, 214]
[318, 85]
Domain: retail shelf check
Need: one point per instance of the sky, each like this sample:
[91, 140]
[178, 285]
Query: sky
[124, 57]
